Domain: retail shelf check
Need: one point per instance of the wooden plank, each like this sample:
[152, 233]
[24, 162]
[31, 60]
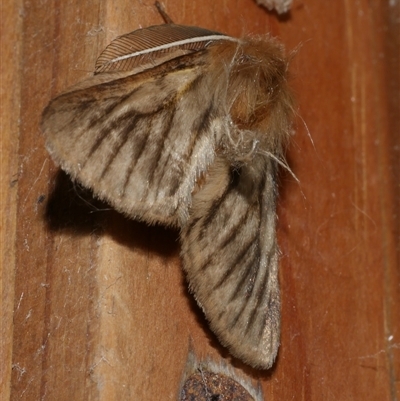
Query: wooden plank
[339, 258]
[101, 307]
[10, 33]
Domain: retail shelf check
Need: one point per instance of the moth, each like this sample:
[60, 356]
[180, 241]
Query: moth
[186, 127]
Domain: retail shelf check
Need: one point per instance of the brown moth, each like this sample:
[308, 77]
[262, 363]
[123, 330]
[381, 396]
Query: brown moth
[186, 127]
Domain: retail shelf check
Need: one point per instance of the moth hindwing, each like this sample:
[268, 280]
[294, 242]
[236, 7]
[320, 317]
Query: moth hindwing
[184, 126]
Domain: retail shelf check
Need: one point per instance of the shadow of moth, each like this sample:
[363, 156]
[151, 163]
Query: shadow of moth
[186, 127]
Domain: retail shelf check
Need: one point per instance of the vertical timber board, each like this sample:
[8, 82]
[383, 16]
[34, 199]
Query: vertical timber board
[338, 230]
[54, 285]
[10, 34]
[101, 309]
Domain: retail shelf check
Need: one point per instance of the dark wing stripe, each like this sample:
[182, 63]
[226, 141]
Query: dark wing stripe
[231, 235]
[262, 278]
[236, 266]
[270, 312]
[262, 281]
[103, 112]
[210, 215]
[104, 134]
[235, 230]
[202, 123]
[162, 140]
[218, 203]
[253, 268]
[135, 156]
[200, 131]
[247, 323]
[250, 269]
[89, 113]
[193, 139]
[140, 147]
[248, 247]
[254, 313]
[81, 109]
[105, 131]
[225, 278]
[122, 139]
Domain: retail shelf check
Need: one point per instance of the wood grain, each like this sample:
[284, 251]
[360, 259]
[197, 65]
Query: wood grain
[10, 34]
[95, 306]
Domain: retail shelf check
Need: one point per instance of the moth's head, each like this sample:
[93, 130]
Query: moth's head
[258, 96]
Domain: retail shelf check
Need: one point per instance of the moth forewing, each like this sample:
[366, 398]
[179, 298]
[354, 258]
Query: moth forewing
[187, 132]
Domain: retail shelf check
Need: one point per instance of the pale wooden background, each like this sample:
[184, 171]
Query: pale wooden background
[95, 307]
